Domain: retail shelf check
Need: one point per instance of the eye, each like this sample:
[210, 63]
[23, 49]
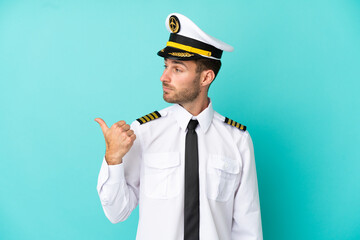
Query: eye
[165, 66]
[178, 70]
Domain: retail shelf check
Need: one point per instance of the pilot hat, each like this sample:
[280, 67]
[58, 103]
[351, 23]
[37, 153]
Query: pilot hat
[188, 42]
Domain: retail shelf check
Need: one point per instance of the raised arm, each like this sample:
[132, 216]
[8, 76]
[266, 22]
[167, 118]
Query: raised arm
[118, 181]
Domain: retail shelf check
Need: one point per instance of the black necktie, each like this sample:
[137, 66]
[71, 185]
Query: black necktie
[191, 207]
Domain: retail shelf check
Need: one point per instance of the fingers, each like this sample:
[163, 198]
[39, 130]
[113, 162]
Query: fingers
[130, 132]
[102, 124]
[121, 125]
[126, 127]
[130, 139]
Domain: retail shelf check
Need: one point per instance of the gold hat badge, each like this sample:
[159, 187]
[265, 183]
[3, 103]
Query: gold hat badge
[174, 24]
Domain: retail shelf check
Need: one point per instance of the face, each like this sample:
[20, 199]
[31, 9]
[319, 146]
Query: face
[181, 82]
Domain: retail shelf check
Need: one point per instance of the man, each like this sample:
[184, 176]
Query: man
[191, 170]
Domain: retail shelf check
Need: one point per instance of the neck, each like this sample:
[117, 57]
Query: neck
[197, 106]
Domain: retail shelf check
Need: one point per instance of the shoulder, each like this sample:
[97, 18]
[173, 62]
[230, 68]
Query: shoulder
[148, 117]
[229, 122]
[233, 129]
[152, 117]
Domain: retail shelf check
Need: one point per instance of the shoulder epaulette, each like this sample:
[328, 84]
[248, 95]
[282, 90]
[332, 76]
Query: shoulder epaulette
[235, 124]
[149, 117]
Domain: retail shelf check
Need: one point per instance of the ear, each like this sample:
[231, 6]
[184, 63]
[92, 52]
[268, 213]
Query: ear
[207, 77]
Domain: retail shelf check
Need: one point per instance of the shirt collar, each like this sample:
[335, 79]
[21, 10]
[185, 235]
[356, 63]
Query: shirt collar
[183, 117]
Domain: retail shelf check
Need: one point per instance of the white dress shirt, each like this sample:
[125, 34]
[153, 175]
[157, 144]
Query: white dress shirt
[152, 175]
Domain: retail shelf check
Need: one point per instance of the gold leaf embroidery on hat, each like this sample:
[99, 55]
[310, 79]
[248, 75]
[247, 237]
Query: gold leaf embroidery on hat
[181, 54]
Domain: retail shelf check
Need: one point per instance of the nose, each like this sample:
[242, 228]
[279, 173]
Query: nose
[165, 76]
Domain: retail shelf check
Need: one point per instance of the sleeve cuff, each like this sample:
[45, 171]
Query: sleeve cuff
[116, 173]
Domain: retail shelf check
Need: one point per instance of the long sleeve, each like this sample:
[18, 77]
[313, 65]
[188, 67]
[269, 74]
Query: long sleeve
[118, 185]
[247, 217]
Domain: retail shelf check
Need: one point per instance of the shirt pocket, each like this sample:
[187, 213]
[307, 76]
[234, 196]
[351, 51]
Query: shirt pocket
[162, 175]
[222, 173]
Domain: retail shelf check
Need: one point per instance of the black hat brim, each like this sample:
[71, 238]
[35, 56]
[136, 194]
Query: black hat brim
[178, 54]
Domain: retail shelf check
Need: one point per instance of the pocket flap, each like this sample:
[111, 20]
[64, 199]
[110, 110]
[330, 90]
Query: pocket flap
[162, 160]
[225, 164]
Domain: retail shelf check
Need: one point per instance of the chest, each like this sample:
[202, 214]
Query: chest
[163, 163]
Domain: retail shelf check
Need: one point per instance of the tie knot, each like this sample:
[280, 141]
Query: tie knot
[192, 124]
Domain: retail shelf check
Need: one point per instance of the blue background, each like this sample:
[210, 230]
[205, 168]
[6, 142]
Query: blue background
[293, 79]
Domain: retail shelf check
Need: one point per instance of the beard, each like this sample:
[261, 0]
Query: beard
[183, 95]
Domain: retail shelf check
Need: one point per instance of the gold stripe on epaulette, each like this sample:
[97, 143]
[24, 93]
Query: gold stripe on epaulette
[149, 117]
[141, 120]
[235, 124]
[153, 115]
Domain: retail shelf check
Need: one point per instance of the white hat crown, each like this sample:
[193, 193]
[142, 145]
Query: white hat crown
[189, 29]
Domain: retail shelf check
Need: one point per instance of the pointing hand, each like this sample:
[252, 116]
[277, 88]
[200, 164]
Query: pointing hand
[119, 138]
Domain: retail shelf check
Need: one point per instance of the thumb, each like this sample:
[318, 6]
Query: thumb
[102, 124]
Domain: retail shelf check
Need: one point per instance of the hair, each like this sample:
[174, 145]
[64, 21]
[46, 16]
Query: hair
[203, 64]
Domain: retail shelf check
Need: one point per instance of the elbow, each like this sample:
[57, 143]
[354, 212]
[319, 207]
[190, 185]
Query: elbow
[117, 214]
[118, 218]
[114, 220]
[117, 208]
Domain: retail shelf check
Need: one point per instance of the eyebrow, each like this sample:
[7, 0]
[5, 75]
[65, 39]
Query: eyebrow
[177, 62]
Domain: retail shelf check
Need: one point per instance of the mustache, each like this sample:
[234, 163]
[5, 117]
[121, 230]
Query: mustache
[167, 86]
